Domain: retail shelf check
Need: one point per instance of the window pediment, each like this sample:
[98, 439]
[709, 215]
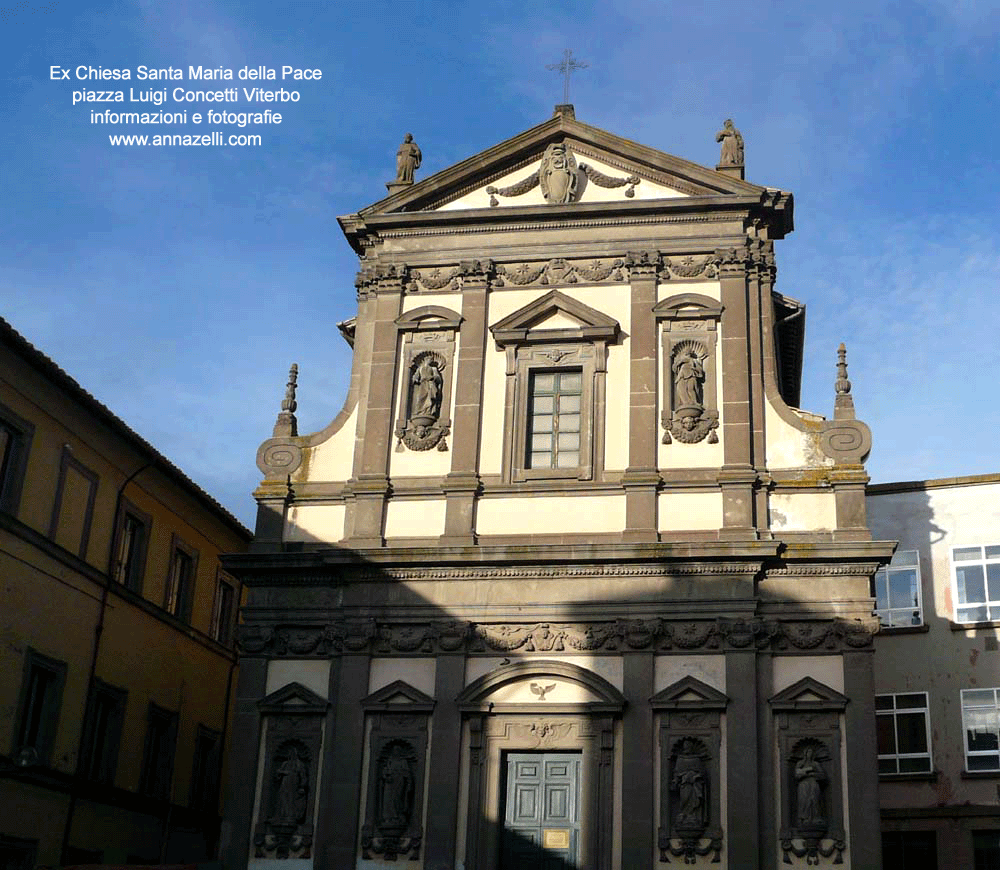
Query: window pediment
[293, 698]
[808, 694]
[528, 323]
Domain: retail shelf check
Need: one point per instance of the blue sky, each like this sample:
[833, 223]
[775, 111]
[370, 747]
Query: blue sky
[177, 285]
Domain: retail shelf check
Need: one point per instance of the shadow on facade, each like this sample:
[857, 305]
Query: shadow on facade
[384, 705]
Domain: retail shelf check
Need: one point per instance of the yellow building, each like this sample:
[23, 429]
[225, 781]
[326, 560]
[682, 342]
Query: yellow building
[116, 656]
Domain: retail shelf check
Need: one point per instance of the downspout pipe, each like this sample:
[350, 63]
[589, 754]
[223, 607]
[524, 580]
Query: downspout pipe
[92, 673]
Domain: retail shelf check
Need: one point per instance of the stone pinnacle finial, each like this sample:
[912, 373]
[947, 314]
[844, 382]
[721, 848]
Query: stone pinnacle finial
[843, 404]
[286, 423]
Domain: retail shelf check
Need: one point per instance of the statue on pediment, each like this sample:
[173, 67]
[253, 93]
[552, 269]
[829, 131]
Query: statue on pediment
[732, 145]
[408, 159]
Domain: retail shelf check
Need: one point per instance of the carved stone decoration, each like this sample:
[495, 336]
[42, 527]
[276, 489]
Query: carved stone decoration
[807, 715]
[426, 377]
[608, 181]
[557, 174]
[690, 739]
[623, 634]
[690, 407]
[284, 826]
[689, 267]
[560, 271]
[396, 767]
[845, 439]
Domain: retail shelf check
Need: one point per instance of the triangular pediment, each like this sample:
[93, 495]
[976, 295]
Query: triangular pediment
[808, 694]
[689, 693]
[293, 698]
[555, 317]
[612, 166]
[399, 696]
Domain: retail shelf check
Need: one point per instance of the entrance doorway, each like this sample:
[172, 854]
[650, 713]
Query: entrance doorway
[542, 811]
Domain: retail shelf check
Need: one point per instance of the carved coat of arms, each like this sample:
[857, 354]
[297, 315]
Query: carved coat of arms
[558, 174]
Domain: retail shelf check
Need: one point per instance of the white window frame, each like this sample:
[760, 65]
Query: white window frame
[985, 561]
[903, 560]
[981, 753]
[898, 756]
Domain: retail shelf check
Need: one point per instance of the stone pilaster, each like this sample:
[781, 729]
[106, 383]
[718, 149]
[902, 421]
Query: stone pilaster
[641, 478]
[737, 477]
[864, 849]
[445, 764]
[244, 749]
[637, 769]
[370, 485]
[742, 769]
[462, 484]
[337, 828]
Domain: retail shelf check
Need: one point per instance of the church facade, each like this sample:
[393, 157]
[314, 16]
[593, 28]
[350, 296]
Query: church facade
[570, 581]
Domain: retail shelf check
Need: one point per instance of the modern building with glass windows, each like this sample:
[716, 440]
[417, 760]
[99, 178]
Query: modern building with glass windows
[937, 672]
[118, 621]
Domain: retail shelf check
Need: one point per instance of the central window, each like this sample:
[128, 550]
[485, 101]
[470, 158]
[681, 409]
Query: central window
[554, 419]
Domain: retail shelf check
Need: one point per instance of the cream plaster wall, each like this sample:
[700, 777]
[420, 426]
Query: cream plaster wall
[315, 522]
[334, 458]
[610, 668]
[789, 447]
[711, 289]
[314, 674]
[451, 301]
[551, 515]
[805, 511]
[711, 670]
[612, 300]
[419, 673]
[415, 518]
[590, 192]
[681, 511]
[788, 670]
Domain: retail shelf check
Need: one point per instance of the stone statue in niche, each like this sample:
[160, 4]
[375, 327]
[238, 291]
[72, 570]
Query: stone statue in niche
[558, 175]
[392, 830]
[690, 805]
[690, 421]
[810, 781]
[292, 777]
[427, 388]
[689, 379]
[690, 781]
[408, 159]
[732, 145]
[287, 832]
[424, 428]
[395, 795]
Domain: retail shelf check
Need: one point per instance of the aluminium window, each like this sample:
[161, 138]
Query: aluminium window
[981, 723]
[41, 700]
[903, 726]
[103, 732]
[897, 591]
[181, 579]
[977, 582]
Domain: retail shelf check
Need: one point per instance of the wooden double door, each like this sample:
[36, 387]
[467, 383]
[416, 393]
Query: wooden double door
[542, 811]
